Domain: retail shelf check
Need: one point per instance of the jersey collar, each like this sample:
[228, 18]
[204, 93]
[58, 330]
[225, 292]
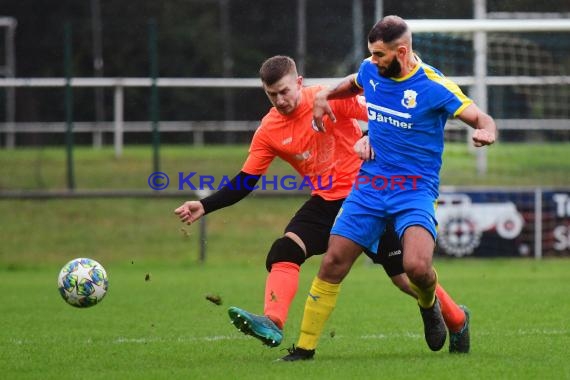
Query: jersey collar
[411, 73]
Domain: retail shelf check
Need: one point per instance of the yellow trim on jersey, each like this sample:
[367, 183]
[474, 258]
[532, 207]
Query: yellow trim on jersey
[460, 109]
[435, 206]
[411, 73]
[451, 86]
[356, 83]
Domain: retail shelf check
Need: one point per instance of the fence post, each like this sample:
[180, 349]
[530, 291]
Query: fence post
[9, 71]
[203, 238]
[118, 120]
[68, 105]
[154, 111]
[538, 223]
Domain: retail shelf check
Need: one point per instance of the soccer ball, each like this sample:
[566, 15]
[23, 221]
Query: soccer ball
[82, 282]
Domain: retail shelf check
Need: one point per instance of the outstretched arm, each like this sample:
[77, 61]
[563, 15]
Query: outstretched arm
[485, 128]
[345, 89]
[238, 188]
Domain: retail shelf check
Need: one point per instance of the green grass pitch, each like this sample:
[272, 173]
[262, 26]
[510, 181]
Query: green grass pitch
[165, 328]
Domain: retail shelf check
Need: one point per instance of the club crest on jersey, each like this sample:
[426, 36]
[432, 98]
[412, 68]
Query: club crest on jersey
[409, 99]
[303, 156]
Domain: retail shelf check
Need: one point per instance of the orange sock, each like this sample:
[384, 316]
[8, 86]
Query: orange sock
[452, 314]
[280, 289]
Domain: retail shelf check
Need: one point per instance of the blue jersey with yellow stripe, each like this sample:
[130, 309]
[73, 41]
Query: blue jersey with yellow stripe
[406, 119]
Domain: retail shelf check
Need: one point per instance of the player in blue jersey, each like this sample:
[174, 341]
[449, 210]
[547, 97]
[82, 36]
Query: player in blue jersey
[408, 104]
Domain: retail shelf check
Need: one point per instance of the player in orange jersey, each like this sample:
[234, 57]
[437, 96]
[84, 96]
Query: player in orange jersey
[328, 161]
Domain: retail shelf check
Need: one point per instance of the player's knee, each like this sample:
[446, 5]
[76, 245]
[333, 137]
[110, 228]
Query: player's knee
[417, 265]
[334, 267]
[331, 261]
[284, 249]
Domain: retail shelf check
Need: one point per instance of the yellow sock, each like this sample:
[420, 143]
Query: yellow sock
[318, 307]
[426, 297]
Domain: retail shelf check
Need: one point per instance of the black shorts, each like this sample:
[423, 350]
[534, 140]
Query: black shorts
[389, 252]
[313, 223]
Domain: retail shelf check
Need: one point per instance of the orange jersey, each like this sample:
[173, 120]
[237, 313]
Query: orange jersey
[320, 156]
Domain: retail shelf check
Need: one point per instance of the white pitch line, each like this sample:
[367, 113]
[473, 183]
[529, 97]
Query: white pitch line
[216, 338]
[144, 340]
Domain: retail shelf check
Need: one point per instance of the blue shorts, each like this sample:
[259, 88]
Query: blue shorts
[365, 212]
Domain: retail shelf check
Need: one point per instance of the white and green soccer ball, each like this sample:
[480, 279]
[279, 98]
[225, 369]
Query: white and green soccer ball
[82, 282]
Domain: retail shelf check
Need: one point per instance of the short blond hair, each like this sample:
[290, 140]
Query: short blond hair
[275, 68]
